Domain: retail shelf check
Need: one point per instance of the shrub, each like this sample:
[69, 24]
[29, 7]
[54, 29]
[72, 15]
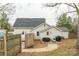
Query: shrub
[59, 38]
[46, 39]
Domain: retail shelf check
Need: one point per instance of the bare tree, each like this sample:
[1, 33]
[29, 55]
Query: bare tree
[5, 11]
[8, 8]
[73, 5]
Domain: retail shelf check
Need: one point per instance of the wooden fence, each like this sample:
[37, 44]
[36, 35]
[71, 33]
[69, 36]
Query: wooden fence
[72, 36]
[10, 45]
[29, 40]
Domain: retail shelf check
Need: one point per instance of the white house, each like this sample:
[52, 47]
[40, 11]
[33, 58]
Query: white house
[30, 25]
[39, 27]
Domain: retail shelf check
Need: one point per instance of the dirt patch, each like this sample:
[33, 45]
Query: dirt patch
[38, 44]
[66, 48]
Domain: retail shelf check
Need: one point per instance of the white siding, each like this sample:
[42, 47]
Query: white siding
[19, 31]
[65, 34]
[42, 27]
[34, 30]
[53, 32]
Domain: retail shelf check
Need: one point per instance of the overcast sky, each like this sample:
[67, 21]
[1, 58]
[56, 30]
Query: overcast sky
[37, 10]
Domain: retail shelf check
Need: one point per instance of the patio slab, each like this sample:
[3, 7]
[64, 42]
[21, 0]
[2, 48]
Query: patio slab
[50, 47]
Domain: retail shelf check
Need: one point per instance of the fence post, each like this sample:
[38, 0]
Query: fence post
[5, 42]
[20, 44]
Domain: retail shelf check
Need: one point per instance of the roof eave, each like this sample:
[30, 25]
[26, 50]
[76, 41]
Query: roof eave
[23, 27]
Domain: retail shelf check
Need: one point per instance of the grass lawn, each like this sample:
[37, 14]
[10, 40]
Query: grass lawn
[67, 48]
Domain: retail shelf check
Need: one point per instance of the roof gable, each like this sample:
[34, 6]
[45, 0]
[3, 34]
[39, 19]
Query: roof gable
[28, 22]
[44, 24]
[62, 29]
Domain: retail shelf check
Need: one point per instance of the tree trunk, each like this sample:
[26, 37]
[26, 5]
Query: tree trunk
[77, 43]
[78, 35]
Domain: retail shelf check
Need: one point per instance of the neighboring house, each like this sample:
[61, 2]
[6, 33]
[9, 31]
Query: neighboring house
[53, 31]
[39, 27]
[30, 25]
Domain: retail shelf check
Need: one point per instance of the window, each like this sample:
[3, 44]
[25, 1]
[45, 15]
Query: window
[37, 33]
[47, 33]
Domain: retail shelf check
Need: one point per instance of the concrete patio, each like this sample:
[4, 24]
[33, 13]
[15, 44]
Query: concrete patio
[50, 47]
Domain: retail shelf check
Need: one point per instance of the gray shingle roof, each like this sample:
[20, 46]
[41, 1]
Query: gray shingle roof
[28, 22]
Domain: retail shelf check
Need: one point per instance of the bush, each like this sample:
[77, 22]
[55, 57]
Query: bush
[46, 39]
[59, 38]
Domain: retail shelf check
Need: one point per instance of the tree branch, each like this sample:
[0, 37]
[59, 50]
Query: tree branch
[52, 4]
[69, 5]
[76, 8]
[71, 11]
